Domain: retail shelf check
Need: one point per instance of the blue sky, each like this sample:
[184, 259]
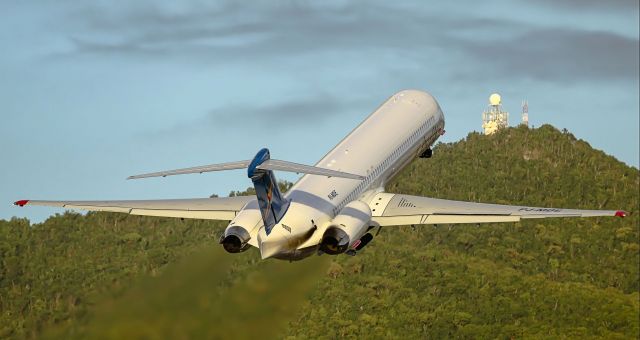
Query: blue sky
[91, 92]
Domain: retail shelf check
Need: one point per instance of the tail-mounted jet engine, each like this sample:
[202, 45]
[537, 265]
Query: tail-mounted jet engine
[236, 237]
[347, 227]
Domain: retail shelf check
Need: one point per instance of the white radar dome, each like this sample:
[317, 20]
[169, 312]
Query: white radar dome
[495, 99]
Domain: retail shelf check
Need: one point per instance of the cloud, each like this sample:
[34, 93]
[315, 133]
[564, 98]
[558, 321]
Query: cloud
[266, 31]
[595, 5]
[235, 30]
[294, 110]
[560, 55]
[269, 29]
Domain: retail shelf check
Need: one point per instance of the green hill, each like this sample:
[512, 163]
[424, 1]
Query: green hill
[120, 276]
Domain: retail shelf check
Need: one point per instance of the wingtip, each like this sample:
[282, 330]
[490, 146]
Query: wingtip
[21, 203]
[621, 213]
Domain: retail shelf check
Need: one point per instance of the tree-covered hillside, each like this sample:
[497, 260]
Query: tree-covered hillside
[538, 278]
[119, 276]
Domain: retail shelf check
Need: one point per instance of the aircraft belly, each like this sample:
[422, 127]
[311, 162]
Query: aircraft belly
[300, 223]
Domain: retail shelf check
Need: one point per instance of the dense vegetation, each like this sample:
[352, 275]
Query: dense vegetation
[120, 276]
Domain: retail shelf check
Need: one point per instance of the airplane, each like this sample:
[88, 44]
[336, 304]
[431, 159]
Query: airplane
[334, 206]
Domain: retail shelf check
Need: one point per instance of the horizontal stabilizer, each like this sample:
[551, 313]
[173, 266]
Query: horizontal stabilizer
[196, 169]
[274, 164]
[271, 164]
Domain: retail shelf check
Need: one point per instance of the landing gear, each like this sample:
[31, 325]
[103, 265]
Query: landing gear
[364, 240]
[427, 153]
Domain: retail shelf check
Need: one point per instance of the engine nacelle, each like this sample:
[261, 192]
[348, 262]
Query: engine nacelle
[347, 227]
[236, 237]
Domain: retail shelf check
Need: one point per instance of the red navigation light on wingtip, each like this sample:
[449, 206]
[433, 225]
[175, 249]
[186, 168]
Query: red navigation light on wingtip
[621, 213]
[21, 203]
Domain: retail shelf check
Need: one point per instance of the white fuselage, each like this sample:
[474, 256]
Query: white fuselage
[399, 130]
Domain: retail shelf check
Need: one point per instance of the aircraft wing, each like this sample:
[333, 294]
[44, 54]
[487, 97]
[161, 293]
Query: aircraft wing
[395, 209]
[217, 208]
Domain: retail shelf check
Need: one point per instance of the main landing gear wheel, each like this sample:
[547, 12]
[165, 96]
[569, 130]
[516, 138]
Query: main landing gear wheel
[427, 153]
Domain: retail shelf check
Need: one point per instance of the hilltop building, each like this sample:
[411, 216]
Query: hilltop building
[494, 117]
[525, 113]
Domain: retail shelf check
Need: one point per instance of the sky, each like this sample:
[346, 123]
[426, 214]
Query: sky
[94, 91]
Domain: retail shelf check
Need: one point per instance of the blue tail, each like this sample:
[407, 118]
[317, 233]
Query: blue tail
[272, 205]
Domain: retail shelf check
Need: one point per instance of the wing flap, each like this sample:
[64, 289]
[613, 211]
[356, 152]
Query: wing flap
[440, 219]
[204, 215]
[96, 208]
[436, 219]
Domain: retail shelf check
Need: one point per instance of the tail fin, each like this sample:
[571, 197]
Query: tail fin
[272, 205]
